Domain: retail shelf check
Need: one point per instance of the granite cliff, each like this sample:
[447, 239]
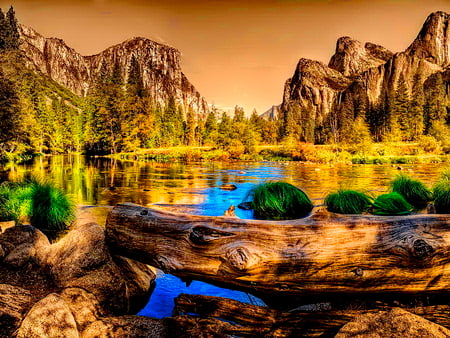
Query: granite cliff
[360, 76]
[159, 66]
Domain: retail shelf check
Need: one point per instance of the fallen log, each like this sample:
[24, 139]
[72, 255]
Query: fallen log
[324, 253]
[256, 321]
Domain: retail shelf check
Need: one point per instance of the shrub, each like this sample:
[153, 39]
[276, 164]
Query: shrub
[391, 204]
[412, 190]
[347, 202]
[14, 201]
[279, 200]
[51, 209]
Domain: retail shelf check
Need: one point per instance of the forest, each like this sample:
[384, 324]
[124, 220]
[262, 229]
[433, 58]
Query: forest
[39, 116]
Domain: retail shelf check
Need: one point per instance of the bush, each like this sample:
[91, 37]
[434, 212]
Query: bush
[391, 204]
[14, 201]
[412, 190]
[51, 209]
[347, 202]
[279, 200]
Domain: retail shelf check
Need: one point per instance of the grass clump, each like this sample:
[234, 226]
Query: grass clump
[347, 202]
[414, 191]
[279, 200]
[391, 204]
[51, 210]
[441, 193]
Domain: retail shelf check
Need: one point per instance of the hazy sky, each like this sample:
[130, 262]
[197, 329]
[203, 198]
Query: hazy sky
[234, 52]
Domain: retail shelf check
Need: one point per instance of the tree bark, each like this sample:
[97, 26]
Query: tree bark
[321, 254]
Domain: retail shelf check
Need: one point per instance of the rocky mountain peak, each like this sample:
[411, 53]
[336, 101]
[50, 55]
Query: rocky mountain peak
[352, 57]
[159, 64]
[433, 41]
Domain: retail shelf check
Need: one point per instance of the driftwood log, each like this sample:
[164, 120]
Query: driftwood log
[244, 320]
[321, 254]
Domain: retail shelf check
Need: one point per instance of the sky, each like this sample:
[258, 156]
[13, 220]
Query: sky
[234, 52]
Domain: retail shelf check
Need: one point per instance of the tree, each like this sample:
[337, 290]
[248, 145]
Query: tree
[416, 111]
[435, 103]
[399, 115]
[9, 114]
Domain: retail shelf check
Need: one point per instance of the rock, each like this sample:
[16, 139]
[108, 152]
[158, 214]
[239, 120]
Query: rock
[125, 326]
[140, 281]
[15, 236]
[19, 256]
[51, 318]
[245, 206]
[14, 302]
[160, 67]
[230, 212]
[352, 58]
[360, 74]
[228, 187]
[82, 250]
[396, 323]
[83, 305]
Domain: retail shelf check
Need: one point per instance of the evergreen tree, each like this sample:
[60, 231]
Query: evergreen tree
[416, 112]
[435, 103]
[12, 37]
[9, 114]
[135, 82]
[399, 117]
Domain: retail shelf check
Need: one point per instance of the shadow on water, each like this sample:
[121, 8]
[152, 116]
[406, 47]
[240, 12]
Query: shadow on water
[195, 188]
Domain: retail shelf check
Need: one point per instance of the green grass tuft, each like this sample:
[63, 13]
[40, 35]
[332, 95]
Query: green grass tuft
[52, 211]
[279, 200]
[391, 204]
[347, 202]
[414, 191]
[441, 193]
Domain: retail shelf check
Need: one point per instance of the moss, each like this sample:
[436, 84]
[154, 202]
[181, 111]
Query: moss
[347, 202]
[279, 200]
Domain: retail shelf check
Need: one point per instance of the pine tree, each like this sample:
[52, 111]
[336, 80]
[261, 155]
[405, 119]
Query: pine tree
[399, 117]
[12, 38]
[435, 104]
[416, 111]
[9, 113]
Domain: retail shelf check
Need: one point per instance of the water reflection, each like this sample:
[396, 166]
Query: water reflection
[196, 186]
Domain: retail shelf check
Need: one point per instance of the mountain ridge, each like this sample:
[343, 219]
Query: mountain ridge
[159, 65]
[365, 78]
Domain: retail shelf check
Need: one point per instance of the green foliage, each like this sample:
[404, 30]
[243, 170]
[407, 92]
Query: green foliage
[414, 191]
[347, 202]
[52, 211]
[279, 200]
[441, 193]
[391, 204]
[15, 201]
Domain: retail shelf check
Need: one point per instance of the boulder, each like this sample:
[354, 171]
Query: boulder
[14, 302]
[83, 305]
[140, 280]
[125, 326]
[22, 236]
[396, 323]
[49, 318]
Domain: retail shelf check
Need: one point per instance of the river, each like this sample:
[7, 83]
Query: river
[196, 188]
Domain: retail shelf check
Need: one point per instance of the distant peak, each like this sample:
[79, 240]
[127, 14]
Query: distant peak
[432, 42]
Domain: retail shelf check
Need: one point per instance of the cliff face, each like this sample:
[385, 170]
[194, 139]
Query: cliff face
[366, 71]
[159, 67]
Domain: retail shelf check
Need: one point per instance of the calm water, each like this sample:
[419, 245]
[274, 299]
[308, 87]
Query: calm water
[195, 188]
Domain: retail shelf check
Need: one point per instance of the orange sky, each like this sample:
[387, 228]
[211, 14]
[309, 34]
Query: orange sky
[234, 52]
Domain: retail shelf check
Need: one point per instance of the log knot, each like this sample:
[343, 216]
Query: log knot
[238, 258]
[422, 249]
[204, 235]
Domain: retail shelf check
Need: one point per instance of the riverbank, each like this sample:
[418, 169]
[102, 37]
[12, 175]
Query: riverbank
[377, 153]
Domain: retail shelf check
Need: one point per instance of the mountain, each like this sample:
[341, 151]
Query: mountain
[158, 65]
[365, 80]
